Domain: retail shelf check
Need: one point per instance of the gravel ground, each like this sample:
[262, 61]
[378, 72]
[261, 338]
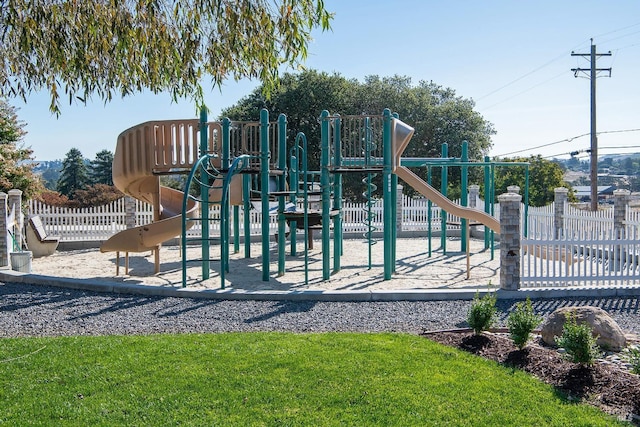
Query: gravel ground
[27, 310]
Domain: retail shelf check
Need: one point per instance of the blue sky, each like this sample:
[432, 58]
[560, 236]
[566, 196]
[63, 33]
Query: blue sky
[513, 58]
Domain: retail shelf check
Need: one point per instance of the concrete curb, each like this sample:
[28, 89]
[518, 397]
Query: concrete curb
[383, 295]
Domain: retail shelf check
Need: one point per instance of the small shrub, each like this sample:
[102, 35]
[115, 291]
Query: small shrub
[578, 341]
[632, 354]
[482, 314]
[521, 322]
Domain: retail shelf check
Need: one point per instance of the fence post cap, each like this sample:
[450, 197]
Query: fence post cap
[509, 197]
[564, 190]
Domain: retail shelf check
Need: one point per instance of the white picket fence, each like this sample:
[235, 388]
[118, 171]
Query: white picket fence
[101, 222]
[589, 252]
[584, 260]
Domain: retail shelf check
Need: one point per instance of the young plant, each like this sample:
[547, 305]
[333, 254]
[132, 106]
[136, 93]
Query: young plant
[482, 314]
[578, 341]
[632, 355]
[521, 322]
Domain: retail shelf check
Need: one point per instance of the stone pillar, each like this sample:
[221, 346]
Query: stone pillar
[510, 240]
[559, 203]
[399, 208]
[15, 202]
[620, 202]
[474, 192]
[4, 235]
[130, 212]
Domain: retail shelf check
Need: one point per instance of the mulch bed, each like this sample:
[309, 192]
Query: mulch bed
[611, 389]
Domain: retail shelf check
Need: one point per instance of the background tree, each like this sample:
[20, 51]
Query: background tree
[544, 176]
[437, 114]
[118, 48]
[16, 161]
[95, 195]
[74, 175]
[101, 168]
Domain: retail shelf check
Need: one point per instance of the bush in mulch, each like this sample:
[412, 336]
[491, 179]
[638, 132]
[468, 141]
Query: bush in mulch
[612, 389]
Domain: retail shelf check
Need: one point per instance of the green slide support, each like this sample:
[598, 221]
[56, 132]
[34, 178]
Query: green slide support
[326, 194]
[264, 193]
[386, 194]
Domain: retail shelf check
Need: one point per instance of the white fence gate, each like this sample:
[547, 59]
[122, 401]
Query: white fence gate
[590, 252]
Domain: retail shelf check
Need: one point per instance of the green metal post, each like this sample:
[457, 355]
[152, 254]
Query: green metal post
[386, 192]
[443, 190]
[224, 202]
[394, 211]
[487, 192]
[294, 179]
[264, 193]
[337, 196]
[429, 207]
[204, 196]
[236, 229]
[492, 204]
[226, 161]
[325, 127]
[464, 197]
[369, 193]
[282, 179]
[526, 201]
[305, 194]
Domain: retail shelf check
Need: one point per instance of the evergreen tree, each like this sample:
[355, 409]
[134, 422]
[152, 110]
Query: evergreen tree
[16, 161]
[101, 167]
[74, 175]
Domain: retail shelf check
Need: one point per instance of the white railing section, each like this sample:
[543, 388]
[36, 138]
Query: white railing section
[588, 253]
[101, 222]
[585, 258]
[584, 221]
[540, 222]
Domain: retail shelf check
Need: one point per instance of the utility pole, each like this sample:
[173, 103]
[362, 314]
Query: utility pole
[593, 73]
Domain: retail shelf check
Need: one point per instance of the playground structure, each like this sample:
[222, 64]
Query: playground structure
[143, 154]
[251, 165]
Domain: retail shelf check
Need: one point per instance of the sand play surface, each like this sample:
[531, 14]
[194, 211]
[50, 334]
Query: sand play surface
[414, 270]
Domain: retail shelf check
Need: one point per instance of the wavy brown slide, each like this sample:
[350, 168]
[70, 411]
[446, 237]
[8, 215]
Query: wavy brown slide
[439, 199]
[138, 161]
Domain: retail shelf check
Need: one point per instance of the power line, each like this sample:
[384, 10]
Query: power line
[535, 70]
[524, 91]
[611, 147]
[585, 152]
[573, 138]
[521, 77]
[544, 145]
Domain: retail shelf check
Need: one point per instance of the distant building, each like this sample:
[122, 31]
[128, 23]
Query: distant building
[583, 192]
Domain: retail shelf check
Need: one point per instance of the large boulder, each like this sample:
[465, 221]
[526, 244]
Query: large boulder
[609, 334]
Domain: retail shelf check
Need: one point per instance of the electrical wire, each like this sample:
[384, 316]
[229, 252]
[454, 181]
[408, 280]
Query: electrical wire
[525, 91]
[576, 137]
[544, 145]
[535, 70]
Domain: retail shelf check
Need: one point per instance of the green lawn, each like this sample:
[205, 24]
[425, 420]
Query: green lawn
[268, 379]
